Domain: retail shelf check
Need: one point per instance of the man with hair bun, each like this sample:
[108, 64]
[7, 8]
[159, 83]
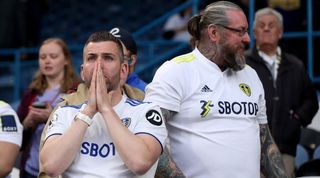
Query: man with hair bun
[214, 103]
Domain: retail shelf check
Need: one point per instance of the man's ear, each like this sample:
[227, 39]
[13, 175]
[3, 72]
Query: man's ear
[281, 33]
[133, 60]
[81, 73]
[212, 32]
[124, 71]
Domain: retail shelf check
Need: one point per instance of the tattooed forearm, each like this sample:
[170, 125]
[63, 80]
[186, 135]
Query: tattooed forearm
[167, 167]
[271, 161]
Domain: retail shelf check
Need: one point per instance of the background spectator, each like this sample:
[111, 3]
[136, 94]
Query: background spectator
[130, 54]
[55, 76]
[290, 97]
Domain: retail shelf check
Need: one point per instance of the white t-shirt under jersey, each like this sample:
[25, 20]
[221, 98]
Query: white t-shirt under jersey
[215, 132]
[98, 156]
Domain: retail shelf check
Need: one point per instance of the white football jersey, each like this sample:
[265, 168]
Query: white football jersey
[10, 126]
[215, 132]
[98, 156]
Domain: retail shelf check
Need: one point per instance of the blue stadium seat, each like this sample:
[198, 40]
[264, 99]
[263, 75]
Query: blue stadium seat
[302, 156]
[316, 153]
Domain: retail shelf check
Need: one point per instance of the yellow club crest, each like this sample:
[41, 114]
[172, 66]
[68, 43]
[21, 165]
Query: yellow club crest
[245, 88]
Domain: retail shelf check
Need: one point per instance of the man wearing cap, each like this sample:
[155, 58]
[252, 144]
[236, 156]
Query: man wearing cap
[130, 54]
[166, 166]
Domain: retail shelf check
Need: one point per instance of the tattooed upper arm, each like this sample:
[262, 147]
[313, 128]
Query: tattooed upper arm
[167, 114]
[167, 168]
[271, 161]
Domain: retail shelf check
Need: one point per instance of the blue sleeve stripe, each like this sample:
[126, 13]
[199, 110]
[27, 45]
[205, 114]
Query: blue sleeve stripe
[133, 102]
[72, 106]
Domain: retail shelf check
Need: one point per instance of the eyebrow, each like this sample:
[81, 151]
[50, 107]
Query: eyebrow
[104, 54]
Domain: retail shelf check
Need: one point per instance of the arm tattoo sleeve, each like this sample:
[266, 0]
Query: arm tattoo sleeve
[167, 168]
[167, 114]
[271, 161]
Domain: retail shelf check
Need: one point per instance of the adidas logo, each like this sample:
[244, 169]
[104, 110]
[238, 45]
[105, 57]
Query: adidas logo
[206, 89]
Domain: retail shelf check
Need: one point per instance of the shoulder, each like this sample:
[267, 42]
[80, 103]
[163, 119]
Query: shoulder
[185, 58]
[139, 105]
[177, 66]
[76, 97]
[133, 92]
[133, 102]
[6, 109]
[3, 104]
[293, 60]
[70, 107]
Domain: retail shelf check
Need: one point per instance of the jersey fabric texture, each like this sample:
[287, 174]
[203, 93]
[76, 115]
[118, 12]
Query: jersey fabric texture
[10, 126]
[215, 132]
[98, 156]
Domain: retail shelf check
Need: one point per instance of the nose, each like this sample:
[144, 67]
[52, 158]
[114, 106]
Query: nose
[46, 59]
[266, 28]
[99, 62]
[246, 38]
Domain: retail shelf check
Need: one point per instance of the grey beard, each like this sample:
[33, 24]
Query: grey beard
[235, 61]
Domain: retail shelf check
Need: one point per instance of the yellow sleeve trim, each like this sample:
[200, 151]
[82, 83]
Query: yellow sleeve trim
[184, 58]
[2, 103]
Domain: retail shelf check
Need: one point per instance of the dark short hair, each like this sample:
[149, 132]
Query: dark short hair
[103, 36]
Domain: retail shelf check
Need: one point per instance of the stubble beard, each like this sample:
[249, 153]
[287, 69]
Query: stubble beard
[109, 85]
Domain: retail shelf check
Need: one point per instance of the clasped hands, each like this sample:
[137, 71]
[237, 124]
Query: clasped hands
[99, 99]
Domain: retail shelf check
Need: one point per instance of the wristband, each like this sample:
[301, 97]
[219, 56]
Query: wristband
[84, 118]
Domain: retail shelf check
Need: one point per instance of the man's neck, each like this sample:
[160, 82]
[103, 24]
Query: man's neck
[54, 81]
[116, 97]
[212, 55]
[269, 50]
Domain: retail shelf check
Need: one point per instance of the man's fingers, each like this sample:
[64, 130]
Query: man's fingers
[101, 82]
[94, 78]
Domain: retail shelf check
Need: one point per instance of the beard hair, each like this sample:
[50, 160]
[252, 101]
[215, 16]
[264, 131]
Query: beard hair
[233, 59]
[109, 85]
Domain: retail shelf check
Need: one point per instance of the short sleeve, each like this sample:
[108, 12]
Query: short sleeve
[262, 110]
[59, 122]
[152, 123]
[11, 128]
[165, 89]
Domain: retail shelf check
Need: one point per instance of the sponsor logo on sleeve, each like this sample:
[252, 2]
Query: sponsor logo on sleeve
[53, 120]
[8, 123]
[154, 117]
